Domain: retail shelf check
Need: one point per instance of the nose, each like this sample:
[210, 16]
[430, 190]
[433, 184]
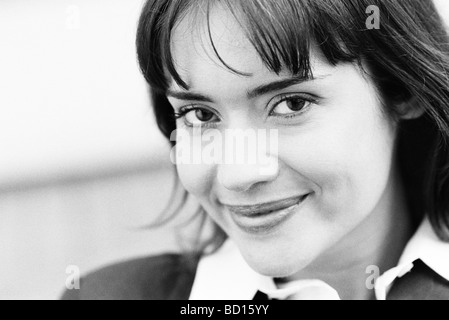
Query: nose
[243, 177]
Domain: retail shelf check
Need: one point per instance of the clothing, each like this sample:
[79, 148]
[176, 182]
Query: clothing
[422, 274]
[424, 248]
[166, 277]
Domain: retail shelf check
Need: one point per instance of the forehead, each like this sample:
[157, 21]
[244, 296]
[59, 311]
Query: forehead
[203, 44]
[200, 40]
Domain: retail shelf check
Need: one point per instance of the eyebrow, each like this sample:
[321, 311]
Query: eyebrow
[256, 92]
[189, 96]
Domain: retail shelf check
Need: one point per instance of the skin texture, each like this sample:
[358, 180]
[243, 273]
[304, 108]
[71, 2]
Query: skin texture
[341, 149]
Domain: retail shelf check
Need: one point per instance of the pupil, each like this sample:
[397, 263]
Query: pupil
[203, 116]
[295, 104]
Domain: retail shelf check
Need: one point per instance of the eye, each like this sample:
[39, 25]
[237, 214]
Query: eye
[290, 105]
[196, 116]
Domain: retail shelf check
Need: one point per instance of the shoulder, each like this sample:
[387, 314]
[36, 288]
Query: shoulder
[164, 277]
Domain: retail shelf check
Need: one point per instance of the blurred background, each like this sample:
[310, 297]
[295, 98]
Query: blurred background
[82, 164]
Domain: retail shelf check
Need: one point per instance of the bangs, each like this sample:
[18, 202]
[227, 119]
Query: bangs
[282, 32]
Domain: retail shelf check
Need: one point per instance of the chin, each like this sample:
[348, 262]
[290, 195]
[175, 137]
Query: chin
[278, 270]
[279, 265]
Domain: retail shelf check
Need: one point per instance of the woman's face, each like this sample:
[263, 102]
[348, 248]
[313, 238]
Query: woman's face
[335, 146]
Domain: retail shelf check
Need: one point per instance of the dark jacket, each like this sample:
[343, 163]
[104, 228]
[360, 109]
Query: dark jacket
[170, 277]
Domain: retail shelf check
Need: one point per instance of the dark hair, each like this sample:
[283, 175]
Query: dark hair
[408, 58]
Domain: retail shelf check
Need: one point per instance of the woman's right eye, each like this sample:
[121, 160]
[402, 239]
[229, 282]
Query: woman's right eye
[196, 117]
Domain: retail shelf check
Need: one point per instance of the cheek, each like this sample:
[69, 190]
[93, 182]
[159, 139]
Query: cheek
[348, 158]
[195, 179]
[195, 176]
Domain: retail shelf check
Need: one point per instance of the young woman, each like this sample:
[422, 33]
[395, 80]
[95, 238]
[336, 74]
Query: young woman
[357, 205]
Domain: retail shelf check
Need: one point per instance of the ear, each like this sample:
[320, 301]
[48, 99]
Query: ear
[410, 109]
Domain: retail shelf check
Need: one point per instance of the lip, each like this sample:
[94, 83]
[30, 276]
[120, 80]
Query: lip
[263, 218]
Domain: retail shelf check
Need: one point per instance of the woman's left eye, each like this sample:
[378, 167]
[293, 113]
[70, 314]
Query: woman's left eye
[290, 106]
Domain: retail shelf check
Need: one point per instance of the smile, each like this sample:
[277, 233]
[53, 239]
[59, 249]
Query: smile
[263, 218]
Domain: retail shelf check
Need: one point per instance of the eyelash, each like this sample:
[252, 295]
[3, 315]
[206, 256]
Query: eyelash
[278, 100]
[291, 96]
[186, 110]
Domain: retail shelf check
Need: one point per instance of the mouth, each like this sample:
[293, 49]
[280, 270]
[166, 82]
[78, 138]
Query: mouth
[264, 218]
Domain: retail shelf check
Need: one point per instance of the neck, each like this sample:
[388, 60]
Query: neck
[379, 241]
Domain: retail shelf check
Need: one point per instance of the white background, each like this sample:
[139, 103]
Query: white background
[72, 99]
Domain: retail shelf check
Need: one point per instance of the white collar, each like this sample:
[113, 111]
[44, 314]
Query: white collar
[225, 275]
[425, 246]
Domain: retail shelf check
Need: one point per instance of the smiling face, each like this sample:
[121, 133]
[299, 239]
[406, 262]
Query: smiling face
[334, 145]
